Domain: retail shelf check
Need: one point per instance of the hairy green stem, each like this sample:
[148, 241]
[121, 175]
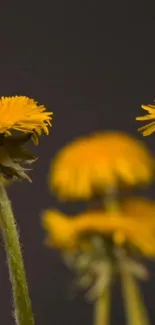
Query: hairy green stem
[101, 313]
[22, 304]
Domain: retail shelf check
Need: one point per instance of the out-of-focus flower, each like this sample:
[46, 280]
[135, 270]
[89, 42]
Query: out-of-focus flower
[133, 227]
[100, 244]
[96, 163]
[24, 115]
[111, 236]
[150, 127]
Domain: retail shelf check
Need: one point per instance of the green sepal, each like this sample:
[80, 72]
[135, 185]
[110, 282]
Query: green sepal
[14, 140]
[14, 172]
[13, 155]
[35, 138]
[21, 155]
[10, 168]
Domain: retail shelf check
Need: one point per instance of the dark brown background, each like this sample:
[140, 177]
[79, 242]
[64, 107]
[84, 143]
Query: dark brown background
[93, 65]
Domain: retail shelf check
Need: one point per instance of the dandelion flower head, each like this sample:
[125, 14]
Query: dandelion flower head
[97, 162]
[134, 225]
[150, 127]
[23, 114]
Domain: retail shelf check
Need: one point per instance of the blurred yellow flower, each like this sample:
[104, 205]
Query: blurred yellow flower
[23, 114]
[150, 127]
[98, 162]
[134, 226]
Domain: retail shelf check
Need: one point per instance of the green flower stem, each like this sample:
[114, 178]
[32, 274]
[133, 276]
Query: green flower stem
[101, 313]
[136, 313]
[22, 304]
[111, 202]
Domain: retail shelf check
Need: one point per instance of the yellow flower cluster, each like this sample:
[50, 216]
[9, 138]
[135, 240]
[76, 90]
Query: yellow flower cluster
[106, 238]
[97, 164]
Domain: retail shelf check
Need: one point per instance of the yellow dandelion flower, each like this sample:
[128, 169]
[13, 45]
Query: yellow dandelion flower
[150, 127]
[134, 225]
[98, 245]
[24, 115]
[98, 162]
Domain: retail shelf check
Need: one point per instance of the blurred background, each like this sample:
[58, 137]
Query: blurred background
[93, 64]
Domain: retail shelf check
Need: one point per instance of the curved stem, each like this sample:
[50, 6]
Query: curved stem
[101, 313]
[22, 304]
